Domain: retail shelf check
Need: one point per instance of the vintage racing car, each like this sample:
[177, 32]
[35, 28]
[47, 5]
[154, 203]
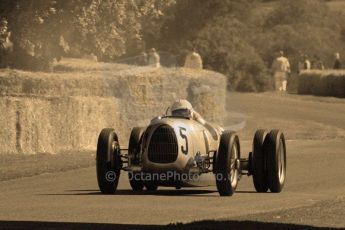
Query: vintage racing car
[177, 151]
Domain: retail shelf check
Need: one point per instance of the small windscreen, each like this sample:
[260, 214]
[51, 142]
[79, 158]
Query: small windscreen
[181, 113]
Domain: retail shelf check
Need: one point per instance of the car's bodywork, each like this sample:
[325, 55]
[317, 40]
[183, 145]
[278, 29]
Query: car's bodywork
[186, 152]
[178, 144]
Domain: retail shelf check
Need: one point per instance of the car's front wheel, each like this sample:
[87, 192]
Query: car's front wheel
[108, 161]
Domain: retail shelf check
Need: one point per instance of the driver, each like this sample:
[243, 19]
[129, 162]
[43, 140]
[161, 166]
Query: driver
[183, 108]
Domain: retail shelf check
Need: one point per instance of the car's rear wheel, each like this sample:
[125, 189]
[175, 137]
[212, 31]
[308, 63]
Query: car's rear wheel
[228, 164]
[151, 186]
[135, 179]
[275, 149]
[258, 165]
[108, 161]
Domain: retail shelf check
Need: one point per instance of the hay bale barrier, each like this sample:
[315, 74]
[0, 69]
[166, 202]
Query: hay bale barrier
[65, 111]
[322, 83]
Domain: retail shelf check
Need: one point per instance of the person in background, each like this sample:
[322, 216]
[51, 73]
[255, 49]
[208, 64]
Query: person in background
[306, 63]
[153, 58]
[337, 62]
[193, 60]
[281, 70]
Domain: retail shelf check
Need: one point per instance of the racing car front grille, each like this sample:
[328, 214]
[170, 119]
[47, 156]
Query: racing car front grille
[163, 145]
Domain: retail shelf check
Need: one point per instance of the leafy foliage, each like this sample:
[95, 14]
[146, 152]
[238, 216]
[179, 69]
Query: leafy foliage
[47, 29]
[34, 26]
[236, 37]
[219, 31]
[224, 50]
[241, 38]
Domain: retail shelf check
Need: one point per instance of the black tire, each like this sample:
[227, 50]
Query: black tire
[108, 161]
[151, 186]
[227, 164]
[258, 165]
[275, 149]
[133, 152]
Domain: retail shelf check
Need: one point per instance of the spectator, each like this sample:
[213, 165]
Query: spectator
[153, 58]
[193, 60]
[337, 63]
[306, 63]
[281, 70]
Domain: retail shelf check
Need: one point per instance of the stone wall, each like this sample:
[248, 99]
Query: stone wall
[59, 112]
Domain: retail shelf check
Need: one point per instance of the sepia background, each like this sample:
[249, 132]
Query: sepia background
[70, 68]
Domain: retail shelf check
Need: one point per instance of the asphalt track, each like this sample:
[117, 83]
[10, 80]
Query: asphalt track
[315, 132]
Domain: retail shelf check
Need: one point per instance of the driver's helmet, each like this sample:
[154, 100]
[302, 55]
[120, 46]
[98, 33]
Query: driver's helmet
[182, 108]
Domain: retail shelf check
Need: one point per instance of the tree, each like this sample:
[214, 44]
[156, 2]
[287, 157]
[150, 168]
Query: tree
[44, 30]
[222, 45]
[217, 29]
[35, 31]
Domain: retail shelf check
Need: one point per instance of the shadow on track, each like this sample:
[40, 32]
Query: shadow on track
[83, 190]
[129, 192]
[194, 225]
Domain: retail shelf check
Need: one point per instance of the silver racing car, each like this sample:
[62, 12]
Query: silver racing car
[178, 151]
